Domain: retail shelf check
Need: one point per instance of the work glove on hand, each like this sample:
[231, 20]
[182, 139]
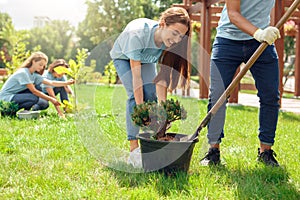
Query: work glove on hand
[269, 35]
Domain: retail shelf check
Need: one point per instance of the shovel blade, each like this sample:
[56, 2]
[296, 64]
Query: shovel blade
[191, 137]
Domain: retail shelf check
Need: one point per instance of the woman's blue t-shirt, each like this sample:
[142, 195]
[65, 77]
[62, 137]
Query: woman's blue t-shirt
[17, 82]
[136, 42]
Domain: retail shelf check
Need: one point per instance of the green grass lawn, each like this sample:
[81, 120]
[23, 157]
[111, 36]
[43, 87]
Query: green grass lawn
[50, 158]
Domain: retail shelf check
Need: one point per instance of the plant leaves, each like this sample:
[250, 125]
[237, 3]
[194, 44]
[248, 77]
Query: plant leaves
[62, 70]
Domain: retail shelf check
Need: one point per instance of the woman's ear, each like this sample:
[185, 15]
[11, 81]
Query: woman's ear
[162, 24]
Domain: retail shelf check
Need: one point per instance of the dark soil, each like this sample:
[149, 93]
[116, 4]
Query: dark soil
[167, 138]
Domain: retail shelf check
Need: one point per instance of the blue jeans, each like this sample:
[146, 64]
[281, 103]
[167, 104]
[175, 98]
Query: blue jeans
[148, 74]
[62, 93]
[226, 57]
[25, 99]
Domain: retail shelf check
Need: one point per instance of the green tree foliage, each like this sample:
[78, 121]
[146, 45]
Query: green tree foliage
[109, 17]
[13, 52]
[289, 46]
[4, 19]
[105, 18]
[5, 47]
[54, 39]
[19, 55]
[165, 4]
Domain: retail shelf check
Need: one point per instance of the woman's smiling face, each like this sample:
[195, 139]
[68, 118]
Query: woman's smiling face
[173, 33]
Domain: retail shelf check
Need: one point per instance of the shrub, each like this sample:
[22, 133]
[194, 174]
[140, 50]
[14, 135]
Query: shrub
[157, 116]
[8, 108]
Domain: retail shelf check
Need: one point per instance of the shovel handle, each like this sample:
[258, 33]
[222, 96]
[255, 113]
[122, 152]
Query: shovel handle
[247, 66]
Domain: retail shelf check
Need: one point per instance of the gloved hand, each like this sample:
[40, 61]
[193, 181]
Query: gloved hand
[269, 35]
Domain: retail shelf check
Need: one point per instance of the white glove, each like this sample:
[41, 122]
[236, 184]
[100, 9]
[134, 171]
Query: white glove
[269, 35]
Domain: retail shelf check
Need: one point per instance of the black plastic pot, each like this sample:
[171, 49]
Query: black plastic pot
[166, 156]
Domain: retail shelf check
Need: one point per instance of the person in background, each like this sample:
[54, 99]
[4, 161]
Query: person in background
[142, 44]
[53, 91]
[23, 86]
[242, 27]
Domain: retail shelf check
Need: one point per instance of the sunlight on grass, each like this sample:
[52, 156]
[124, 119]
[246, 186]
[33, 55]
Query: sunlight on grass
[49, 158]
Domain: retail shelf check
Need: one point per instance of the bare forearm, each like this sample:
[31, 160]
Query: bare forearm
[137, 81]
[59, 83]
[69, 90]
[161, 91]
[60, 113]
[236, 18]
[138, 90]
[42, 95]
[243, 24]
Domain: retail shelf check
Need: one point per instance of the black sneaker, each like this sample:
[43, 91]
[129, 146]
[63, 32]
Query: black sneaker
[212, 157]
[267, 157]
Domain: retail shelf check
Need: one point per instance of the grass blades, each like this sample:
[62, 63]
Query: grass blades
[50, 158]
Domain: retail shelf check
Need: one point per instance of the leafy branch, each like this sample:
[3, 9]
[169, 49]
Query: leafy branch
[156, 116]
[75, 67]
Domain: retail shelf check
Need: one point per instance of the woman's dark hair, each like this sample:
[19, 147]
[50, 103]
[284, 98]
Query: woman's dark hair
[173, 61]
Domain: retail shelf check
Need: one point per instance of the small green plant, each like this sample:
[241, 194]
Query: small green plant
[156, 116]
[74, 69]
[75, 66]
[8, 109]
[110, 72]
[68, 106]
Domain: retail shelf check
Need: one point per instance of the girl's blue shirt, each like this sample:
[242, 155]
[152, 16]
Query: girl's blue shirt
[136, 42]
[17, 82]
[50, 76]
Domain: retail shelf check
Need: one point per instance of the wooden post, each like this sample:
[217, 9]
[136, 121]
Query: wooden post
[204, 67]
[3, 72]
[189, 59]
[277, 13]
[297, 62]
[234, 96]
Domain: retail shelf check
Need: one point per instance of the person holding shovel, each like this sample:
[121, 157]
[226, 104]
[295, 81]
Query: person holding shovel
[142, 44]
[242, 27]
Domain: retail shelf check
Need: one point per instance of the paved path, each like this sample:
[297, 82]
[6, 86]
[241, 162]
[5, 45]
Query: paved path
[288, 105]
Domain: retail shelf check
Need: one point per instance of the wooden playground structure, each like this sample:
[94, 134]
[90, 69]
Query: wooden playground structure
[207, 13]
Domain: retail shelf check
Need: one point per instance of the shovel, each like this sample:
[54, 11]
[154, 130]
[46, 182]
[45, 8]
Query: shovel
[236, 80]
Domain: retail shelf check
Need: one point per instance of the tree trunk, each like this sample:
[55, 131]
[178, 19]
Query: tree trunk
[162, 131]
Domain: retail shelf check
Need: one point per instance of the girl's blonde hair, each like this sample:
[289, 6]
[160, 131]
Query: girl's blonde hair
[173, 61]
[57, 63]
[35, 56]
